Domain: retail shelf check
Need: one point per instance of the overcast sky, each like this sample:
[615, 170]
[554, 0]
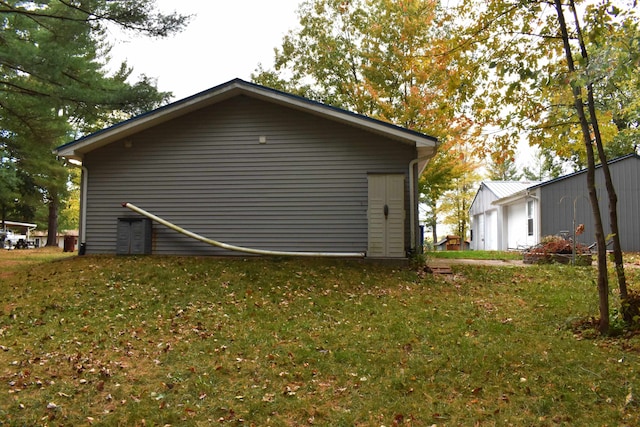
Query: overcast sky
[224, 40]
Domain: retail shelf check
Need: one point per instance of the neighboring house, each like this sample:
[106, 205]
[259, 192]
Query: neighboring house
[252, 167]
[499, 221]
[557, 207]
[67, 240]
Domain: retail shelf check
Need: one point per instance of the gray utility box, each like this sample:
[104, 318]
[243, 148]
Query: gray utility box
[134, 236]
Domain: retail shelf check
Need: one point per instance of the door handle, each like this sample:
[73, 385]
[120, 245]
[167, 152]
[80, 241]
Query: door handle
[386, 211]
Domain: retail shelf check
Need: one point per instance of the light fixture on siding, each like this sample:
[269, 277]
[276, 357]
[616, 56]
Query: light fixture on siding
[262, 139]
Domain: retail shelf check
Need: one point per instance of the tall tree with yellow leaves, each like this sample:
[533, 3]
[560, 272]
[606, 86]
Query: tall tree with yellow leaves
[388, 60]
[540, 79]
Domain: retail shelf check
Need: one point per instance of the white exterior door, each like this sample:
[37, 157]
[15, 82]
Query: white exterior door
[517, 225]
[386, 216]
[491, 233]
[480, 232]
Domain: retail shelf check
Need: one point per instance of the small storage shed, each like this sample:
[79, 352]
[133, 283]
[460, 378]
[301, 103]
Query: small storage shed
[451, 243]
[251, 167]
[500, 221]
[516, 215]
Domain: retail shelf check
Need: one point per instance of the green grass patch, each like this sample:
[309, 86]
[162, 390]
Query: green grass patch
[120, 341]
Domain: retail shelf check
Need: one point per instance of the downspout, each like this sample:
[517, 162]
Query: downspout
[413, 223]
[83, 211]
[239, 248]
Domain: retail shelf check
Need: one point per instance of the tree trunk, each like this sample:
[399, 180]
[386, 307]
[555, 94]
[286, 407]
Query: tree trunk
[53, 222]
[611, 192]
[463, 221]
[603, 280]
[613, 212]
[434, 234]
[433, 221]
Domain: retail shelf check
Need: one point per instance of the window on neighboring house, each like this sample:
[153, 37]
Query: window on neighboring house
[530, 217]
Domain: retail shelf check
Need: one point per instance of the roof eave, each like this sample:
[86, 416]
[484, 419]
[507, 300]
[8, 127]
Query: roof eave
[425, 154]
[343, 116]
[145, 121]
[77, 149]
[527, 192]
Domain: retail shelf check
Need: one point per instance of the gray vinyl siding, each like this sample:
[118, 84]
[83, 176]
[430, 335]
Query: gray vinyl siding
[304, 190]
[558, 198]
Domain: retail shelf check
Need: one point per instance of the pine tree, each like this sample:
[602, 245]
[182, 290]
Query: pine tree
[53, 85]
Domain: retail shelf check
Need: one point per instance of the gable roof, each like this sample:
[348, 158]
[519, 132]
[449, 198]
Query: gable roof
[523, 192]
[503, 189]
[425, 144]
[598, 166]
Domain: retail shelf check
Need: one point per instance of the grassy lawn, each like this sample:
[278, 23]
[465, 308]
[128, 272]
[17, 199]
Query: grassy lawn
[15, 260]
[133, 341]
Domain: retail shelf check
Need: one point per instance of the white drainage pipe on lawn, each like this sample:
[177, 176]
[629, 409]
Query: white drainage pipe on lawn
[239, 248]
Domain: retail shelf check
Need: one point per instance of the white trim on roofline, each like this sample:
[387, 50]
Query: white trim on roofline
[76, 149]
[523, 194]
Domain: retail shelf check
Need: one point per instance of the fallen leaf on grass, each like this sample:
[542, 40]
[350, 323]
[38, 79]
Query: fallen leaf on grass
[291, 389]
[269, 397]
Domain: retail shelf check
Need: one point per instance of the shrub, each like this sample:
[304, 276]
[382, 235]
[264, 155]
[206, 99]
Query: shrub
[557, 245]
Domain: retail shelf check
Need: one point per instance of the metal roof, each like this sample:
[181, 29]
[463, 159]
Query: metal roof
[507, 188]
[598, 166]
[19, 224]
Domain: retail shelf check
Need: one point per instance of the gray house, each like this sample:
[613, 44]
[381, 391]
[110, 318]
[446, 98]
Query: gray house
[565, 200]
[251, 167]
[555, 207]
